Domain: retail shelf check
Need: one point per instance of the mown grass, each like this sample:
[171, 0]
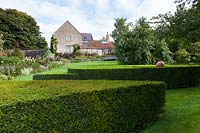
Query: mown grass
[182, 112]
[92, 65]
[114, 65]
[64, 69]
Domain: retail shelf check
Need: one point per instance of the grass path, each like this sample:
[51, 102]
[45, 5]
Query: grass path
[182, 113]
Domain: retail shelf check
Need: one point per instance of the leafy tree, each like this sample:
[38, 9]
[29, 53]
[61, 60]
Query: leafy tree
[53, 45]
[183, 2]
[103, 38]
[161, 51]
[182, 56]
[76, 49]
[133, 46]
[194, 51]
[20, 30]
[181, 29]
[143, 37]
[121, 35]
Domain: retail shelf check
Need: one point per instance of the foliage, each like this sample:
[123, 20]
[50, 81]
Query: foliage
[4, 60]
[103, 38]
[183, 56]
[119, 35]
[54, 76]
[15, 66]
[20, 30]
[3, 77]
[1, 42]
[17, 53]
[53, 45]
[48, 54]
[138, 45]
[174, 76]
[141, 44]
[161, 51]
[76, 49]
[181, 29]
[11, 66]
[194, 51]
[80, 106]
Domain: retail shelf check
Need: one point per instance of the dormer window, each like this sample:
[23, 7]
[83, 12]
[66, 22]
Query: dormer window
[68, 38]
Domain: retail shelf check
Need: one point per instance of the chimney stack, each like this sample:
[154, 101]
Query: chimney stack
[107, 37]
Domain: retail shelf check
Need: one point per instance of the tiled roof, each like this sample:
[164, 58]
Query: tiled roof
[86, 36]
[97, 45]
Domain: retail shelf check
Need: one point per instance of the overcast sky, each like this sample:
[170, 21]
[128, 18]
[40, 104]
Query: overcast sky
[89, 16]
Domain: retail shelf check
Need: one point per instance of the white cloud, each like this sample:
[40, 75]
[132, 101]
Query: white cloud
[95, 16]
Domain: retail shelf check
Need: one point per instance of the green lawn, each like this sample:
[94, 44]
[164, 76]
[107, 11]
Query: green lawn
[63, 69]
[91, 65]
[182, 113]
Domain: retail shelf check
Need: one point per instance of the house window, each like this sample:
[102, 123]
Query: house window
[68, 49]
[89, 51]
[100, 52]
[68, 38]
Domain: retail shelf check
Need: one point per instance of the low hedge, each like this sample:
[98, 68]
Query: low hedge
[79, 106]
[175, 77]
[54, 76]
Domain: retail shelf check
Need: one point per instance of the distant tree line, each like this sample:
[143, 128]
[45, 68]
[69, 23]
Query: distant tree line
[20, 30]
[173, 38]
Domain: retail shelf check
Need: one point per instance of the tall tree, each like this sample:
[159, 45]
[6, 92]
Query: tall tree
[133, 45]
[139, 44]
[181, 29]
[120, 36]
[53, 45]
[20, 30]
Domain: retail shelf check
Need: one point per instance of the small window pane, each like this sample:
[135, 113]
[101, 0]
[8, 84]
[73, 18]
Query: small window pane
[68, 38]
[68, 49]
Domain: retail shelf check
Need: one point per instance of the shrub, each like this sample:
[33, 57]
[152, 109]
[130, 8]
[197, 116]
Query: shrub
[54, 76]
[17, 53]
[9, 60]
[182, 56]
[175, 77]
[80, 106]
[194, 50]
[12, 65]
[3, 77]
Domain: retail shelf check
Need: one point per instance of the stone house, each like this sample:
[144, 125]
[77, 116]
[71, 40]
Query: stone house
[67, 36]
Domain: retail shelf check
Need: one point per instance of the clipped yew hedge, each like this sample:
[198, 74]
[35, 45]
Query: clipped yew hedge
[54, 76]
[175, 77]
[79, 106]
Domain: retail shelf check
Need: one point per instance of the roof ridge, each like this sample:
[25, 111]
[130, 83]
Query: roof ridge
[64, 24]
